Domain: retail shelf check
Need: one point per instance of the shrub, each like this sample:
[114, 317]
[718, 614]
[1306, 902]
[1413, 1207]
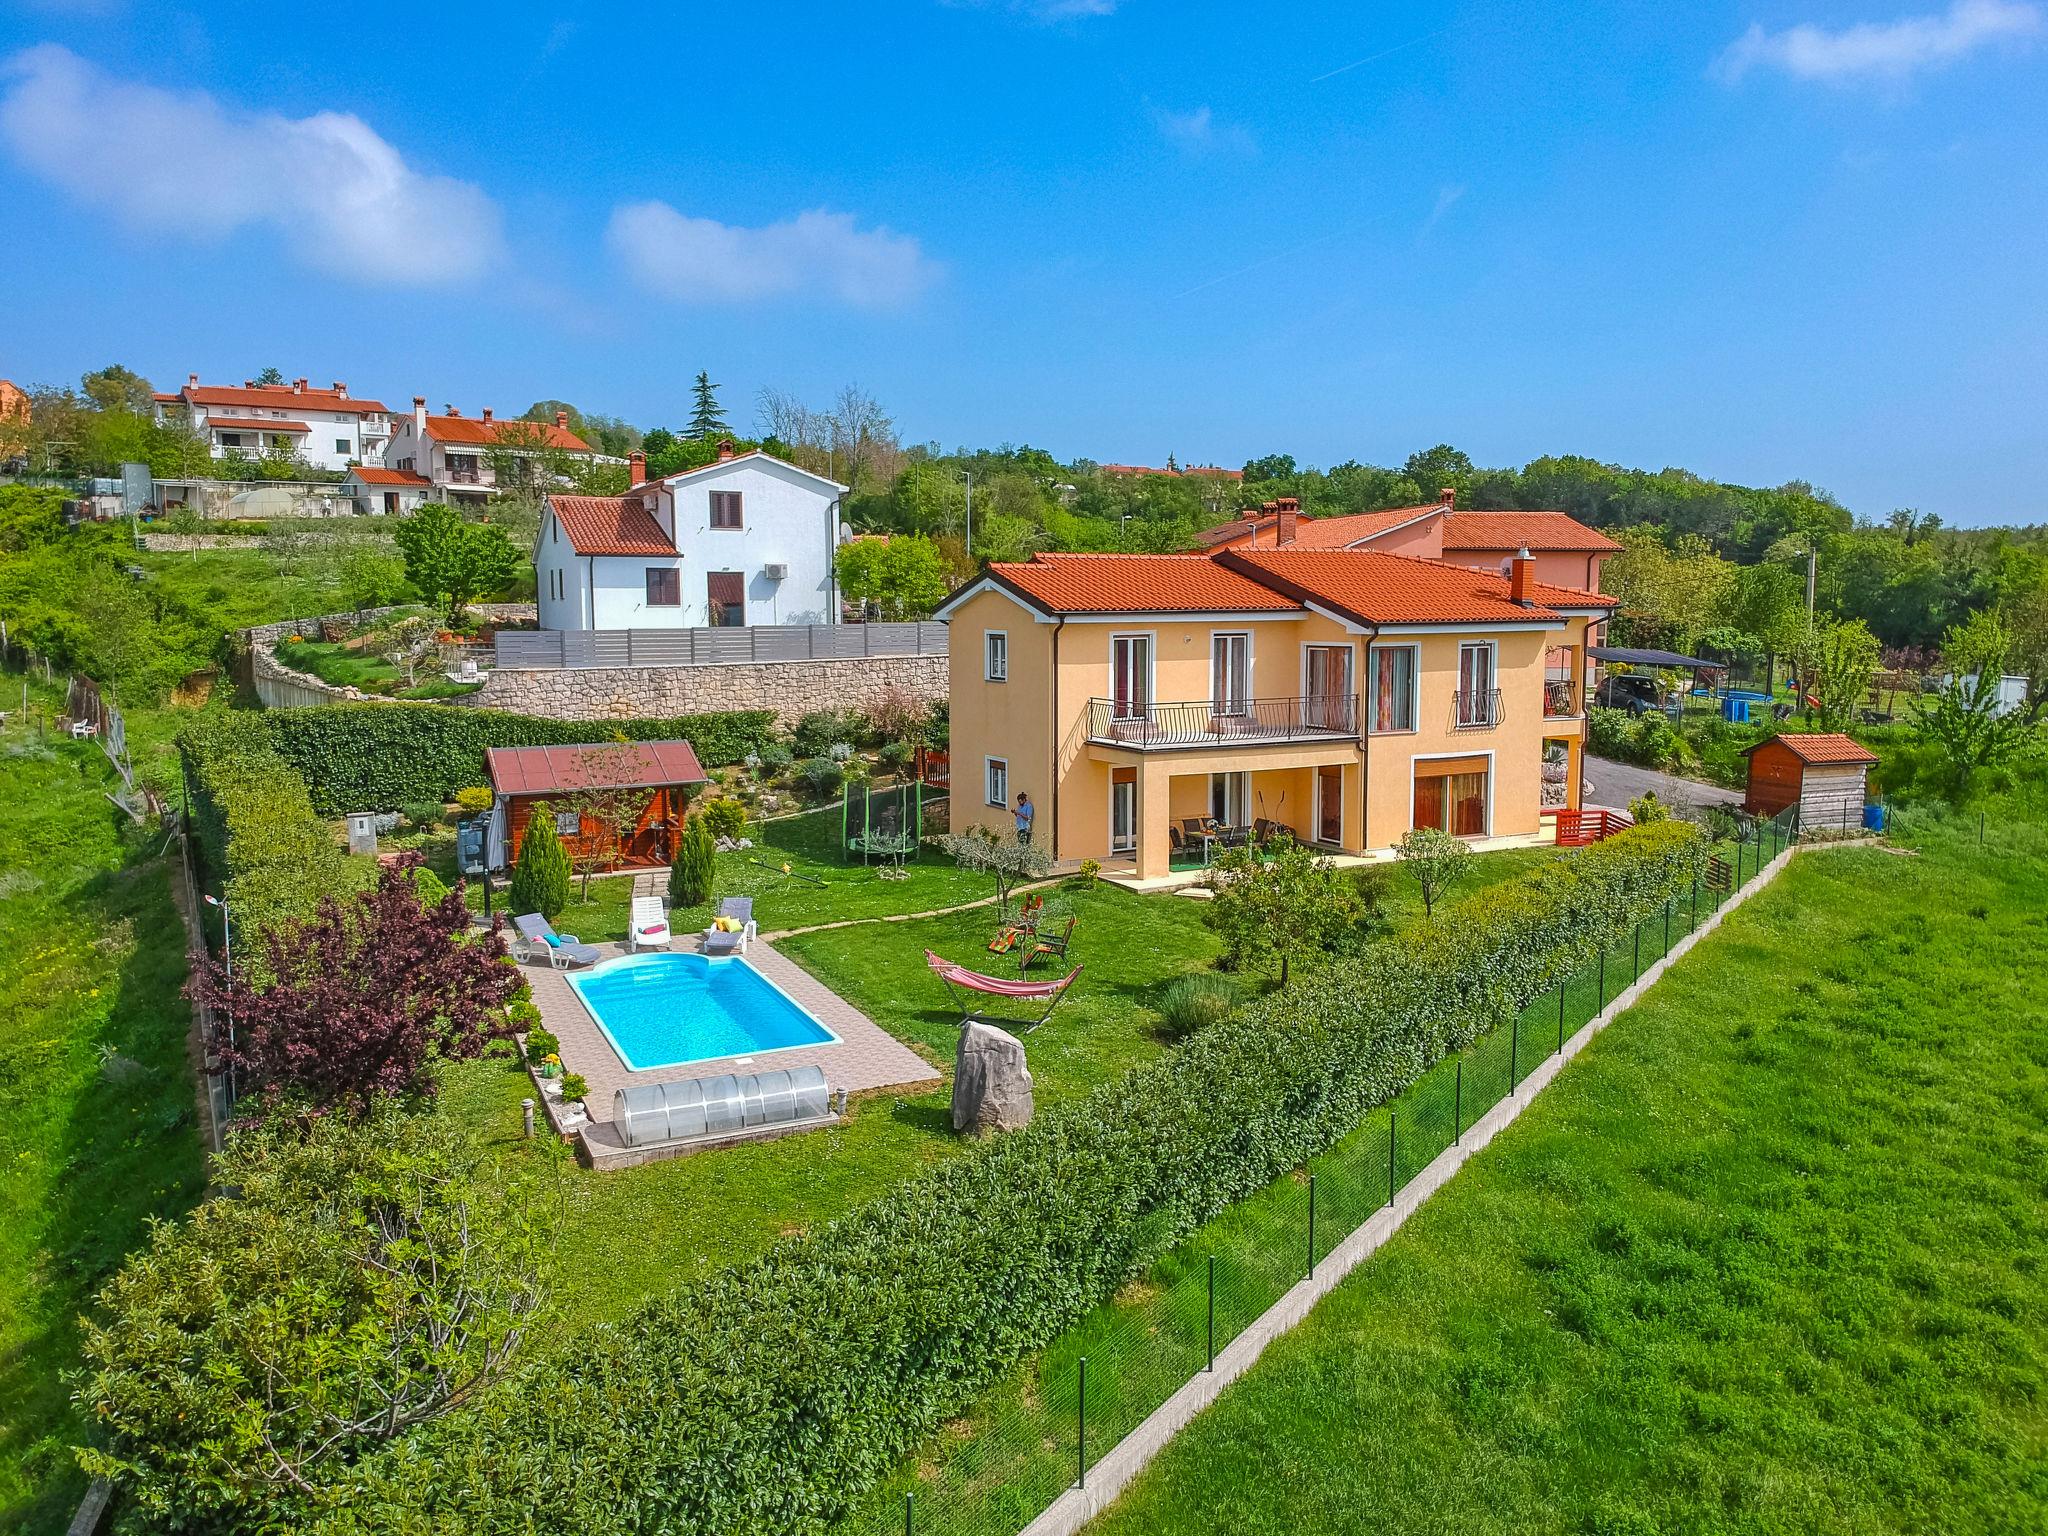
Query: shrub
[1291, 904]
[690, 872]
[1646, 808]
[474, 799]
[381, 756]
[910, 1305]
[817, 731]
[423, 814]
[1646, 740]
[541, 1043]
[820, 777]
[540, 880]
[429, 887]
[1436, 859]
[725, 816]
[1189, 1003]
[574, 1087]
[776, 757]
[896, 755]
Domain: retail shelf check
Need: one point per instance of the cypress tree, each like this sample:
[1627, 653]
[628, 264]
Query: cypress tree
[689, 876]
[540, 880]
[707, 417]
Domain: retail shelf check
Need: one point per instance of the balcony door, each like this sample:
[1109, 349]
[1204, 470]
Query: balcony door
[1130, 677]
[1327, 689]
[1230, 673]
[1475, 683]
[1123, 810]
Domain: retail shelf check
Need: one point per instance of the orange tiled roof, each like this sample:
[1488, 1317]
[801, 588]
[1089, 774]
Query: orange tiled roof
[1522, 530]
[1821, 747]
[253, 424]
[1317, 532]
[376, 474]
[278, 397]
[1376, 588]
[610, 525]
[1138, 584]
[486, 434]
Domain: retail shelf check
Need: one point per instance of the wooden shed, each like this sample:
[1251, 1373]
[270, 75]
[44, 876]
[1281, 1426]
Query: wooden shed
[643, 784]
[1821, 773]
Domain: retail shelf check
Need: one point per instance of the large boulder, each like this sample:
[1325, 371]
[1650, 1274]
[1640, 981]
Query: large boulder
[991, 1083]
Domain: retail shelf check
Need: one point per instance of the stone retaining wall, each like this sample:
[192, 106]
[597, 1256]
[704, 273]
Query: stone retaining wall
[791, 688]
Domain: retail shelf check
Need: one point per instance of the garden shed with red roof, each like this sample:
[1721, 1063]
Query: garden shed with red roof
[1825, 774]
[617, 803]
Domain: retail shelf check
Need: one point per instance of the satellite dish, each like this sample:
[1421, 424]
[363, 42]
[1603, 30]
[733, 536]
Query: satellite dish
[1507, 566]
[846, 533]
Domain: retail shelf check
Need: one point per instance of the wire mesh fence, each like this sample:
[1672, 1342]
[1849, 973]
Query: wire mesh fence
[997, 1467]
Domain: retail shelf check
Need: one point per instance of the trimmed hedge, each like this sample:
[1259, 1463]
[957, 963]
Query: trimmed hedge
[377, 757]
[273, 856]
[769, 1396]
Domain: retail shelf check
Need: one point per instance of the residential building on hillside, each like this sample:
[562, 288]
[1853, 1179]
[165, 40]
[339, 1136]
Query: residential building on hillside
[1566, 551]
[745, 540]
[453, 453]
[1192, 471]
[378, 491]
[1154, 706]
[329, 428]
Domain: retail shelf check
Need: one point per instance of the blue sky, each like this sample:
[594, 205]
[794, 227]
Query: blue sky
[1776, 239]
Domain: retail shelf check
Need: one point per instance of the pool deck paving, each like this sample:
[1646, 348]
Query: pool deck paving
[865, 1057]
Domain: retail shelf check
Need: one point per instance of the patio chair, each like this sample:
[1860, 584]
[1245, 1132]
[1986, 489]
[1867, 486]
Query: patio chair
[738, 911]
[538, 940]
[1053, 944]
[649, 929]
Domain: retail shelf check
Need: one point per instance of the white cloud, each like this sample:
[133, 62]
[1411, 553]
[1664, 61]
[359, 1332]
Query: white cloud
[1446, 199]
[179, 163]
[1197, 132]
[819, 253]
[1042, 10]
[1880, 50]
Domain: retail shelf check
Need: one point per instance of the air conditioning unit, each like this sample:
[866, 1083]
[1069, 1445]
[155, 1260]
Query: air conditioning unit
[775, 572]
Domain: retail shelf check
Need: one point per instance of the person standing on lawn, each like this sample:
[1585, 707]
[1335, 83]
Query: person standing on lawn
[1025, 812]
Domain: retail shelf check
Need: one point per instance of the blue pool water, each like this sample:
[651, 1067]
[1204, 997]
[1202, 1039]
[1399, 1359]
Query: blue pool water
[661, 1010]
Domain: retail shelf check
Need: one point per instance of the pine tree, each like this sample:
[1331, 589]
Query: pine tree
[707, 417]
[689, 875]
[540, 880]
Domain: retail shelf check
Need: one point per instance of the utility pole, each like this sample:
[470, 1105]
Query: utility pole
[1811, 557]
[970, 515]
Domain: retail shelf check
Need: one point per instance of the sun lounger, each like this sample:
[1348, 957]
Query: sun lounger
[538, 940]
[739, 911]
[650, 925]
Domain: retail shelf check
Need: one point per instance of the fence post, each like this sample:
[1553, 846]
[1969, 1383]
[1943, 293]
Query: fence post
[1695, 903]
[1514, 1055]
[1311, 1226]
[1212, 1312]
[1638, 976]
[1458, 1105]
[1603, 980]
[1081, 1417]
[1560, 1018]
[909, 1508]
[1392, 1149]
[1667, 927]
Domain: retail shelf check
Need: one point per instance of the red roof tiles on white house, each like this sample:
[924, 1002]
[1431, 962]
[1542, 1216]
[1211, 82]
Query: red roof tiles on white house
[1374, 588]
[278, 397]
[376, 474]
[492, 433]
[610, 525]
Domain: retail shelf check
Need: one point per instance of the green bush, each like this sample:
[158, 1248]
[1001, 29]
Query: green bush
[574, 1087]
[821, 777]
[274, 858]
[817, 733]
[896, 755]
[541, 1043]
[725, 817]
[1189, 1003]
[812, 1371]
[775, 757]
[423, 814]
[382, 756]
[1646, 740]
[474, 799]
[690, 874]
[540, 880]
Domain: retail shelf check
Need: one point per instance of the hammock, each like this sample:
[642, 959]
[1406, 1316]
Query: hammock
[958, 978]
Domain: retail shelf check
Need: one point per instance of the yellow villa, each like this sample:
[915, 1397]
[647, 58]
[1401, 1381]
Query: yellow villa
[1154, 707]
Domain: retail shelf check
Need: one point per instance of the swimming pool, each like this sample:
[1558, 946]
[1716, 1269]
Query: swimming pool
[662, 1010]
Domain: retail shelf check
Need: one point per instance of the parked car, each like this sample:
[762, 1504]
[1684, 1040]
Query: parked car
[1623, 690]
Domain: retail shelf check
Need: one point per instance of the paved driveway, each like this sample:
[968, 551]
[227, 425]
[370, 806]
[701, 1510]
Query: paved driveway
[1610, 783]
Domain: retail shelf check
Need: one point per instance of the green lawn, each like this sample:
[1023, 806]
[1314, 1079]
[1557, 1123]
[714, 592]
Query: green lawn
[101, 1130]
[632, 1233]
[336, 663]
[1767, 1258]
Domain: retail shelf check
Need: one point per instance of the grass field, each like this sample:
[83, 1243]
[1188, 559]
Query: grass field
[346, 667]
[1767, 1258]
[100, 1134]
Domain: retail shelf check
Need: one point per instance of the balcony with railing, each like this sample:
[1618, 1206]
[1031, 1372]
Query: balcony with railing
[1218, 722]
[1561, 699]
[1476, 709]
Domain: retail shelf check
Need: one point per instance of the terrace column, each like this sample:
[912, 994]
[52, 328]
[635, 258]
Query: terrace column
[1154, 817]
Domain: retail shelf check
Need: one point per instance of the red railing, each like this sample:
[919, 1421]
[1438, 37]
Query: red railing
[1590, 824]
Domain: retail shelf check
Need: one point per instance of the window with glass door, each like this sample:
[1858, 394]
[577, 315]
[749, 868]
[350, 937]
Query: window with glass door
[1476, 701]
[1327, 677]
[1230, 673]
[1123, 810]
[1451, 796]
[1130, 677]
[1229, 793]
[1393, 687]
[1560, 681]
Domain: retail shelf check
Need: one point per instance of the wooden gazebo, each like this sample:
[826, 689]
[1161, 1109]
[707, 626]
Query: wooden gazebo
[643, 784]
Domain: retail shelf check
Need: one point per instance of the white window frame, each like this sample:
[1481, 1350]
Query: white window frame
[1151, 640]
[1492, 650]
[991, 791]
[1492, 783]
[1235, 785]
[1372, 689]
[575, 823]
[1350, 653]
[1131, 845]
[1219, 703]
[994, 668]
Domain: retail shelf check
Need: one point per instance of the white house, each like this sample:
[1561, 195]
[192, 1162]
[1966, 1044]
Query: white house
[378, 491]
[746, 540]
[452, 452]
[329, 428]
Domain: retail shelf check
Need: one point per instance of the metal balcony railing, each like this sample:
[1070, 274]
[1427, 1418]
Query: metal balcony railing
[1476, 709]
[1208, 722]
[1560, 699]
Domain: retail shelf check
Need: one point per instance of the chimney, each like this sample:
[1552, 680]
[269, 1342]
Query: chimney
[191, 381]
[636, 468]
[298, 386]
[726, 450]
[1448, 498]
[341, 389]
[449, 410]
[1289, 508]
[1521, 574]
[487, 415]
[562, 420]
[419, 416]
